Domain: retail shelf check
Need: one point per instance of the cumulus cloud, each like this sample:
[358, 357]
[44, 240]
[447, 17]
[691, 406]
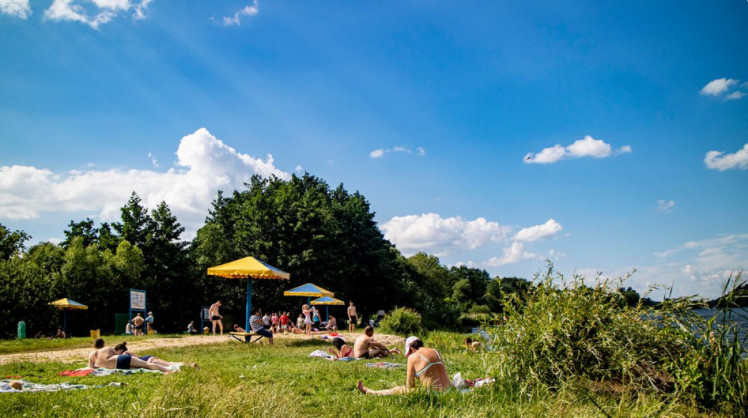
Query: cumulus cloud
[512, 254]
[204, 165]
[718, 86]
[538, 232]
[95, 13]
[16, 8]
[665, 206]
[430, 232]
[249, 10]
[717, 160]
[380, 152]
[585, 147]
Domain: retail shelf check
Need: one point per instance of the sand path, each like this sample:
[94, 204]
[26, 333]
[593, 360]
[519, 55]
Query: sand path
[80, 355]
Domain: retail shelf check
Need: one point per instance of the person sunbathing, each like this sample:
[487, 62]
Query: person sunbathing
[472, 345]
[343, 350]
[424, 364]
[108, 358]
[366, 347]
[121, 349]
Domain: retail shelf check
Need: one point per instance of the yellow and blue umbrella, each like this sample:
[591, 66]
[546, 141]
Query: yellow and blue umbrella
[65, 305]
[309, 290]
[327, 301]
[248, 268]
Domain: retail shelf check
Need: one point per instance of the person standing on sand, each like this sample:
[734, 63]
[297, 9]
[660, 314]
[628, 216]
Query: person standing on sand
[216, 317]
[352, 317]
[138, 321]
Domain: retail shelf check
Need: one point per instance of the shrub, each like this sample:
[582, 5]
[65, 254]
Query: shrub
[566, 333]
[401, 321]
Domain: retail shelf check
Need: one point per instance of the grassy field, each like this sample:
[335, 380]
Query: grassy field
[283, 381]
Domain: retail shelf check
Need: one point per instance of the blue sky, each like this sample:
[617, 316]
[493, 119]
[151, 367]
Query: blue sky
[496, 134]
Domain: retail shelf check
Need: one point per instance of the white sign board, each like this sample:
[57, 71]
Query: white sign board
[137, 299]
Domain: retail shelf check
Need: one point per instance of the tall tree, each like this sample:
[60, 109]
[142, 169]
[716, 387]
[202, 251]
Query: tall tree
[12, 243]
[84, 230]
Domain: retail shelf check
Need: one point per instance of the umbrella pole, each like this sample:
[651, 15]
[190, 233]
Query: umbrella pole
[65, 321]
[327, 313]
[249, 304]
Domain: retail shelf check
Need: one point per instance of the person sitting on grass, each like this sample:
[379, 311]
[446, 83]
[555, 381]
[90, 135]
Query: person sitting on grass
[472, 345]
[423, 363]
[332, 324]
[343, 350]
[191, 328]
[258, 327]
[60, 333]
[108, 358]
[366, 347]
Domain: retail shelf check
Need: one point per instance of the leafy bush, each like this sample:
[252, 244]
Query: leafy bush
[401, 321]
[566, 333]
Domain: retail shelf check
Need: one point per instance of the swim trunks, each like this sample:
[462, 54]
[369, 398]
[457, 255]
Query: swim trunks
[365, 355]
[215, 318]
[123, 361]
[145, 358]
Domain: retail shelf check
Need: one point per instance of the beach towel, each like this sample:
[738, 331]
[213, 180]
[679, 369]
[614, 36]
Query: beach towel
[460, 383]
[53, 387]
[109, 372]
[321, 354]
[78, 372]
[384, 365]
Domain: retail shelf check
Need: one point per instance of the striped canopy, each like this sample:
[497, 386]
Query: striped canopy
[66, 304]
[248, 267]
[326, 300]
[308, 290]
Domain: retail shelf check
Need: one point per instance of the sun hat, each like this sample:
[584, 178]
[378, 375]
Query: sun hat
[410, 340]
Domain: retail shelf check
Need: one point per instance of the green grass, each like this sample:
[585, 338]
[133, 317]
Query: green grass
[30, 345]
[282, 381]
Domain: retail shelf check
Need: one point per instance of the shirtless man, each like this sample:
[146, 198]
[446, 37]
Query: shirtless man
[108, 358]
[216, 317]
[352, 317]
[366, 347]
[138, 321]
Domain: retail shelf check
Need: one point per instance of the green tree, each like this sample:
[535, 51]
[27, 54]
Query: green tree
[84, 230]
[11, 242]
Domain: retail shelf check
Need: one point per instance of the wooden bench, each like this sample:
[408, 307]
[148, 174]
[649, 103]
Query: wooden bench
[246, 337]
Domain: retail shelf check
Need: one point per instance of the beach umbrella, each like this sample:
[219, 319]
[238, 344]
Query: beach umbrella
[327, 301]
[248, 268]
[309, 290]
[66, 305]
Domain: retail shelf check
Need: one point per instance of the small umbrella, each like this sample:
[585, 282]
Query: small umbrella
[308, 290]
[248, 268]
[66, 305]
[327, 301]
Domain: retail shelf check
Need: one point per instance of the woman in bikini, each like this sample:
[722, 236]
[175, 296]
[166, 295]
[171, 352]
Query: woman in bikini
[343, 350]
[423, 363]
[307, 318]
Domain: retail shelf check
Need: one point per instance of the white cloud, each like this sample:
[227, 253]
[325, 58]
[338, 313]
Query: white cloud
[204, 165]
[299, 169]
[95, 12]
[512, 254]
[538, 232]
[735, 95]
[665, 206]
[430, 232]
[716, 161]
[379, 153]
[154, 160]
[17, 8]
[250, 10]
[585, 147]
[718, 86]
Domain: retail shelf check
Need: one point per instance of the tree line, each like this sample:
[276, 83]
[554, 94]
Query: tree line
[319, 234]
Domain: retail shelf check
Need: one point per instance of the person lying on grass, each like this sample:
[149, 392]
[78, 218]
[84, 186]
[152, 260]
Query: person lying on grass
[108, 358]
[366, 347]
[121, 349]
[343, 350]
[423, 363]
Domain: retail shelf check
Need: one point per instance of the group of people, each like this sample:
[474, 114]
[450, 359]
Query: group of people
[139, 325]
